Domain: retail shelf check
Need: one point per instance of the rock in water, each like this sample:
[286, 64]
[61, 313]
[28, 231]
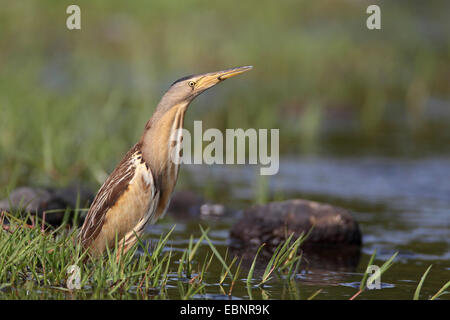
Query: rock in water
[40, 200]
[25, 198]
[274, 222]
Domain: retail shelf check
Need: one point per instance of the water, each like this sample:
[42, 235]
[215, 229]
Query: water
[402, 205]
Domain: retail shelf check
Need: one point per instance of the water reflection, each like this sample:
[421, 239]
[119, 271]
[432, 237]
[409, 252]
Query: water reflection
[320, 265]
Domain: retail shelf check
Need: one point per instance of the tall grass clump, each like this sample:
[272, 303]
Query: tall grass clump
[36, 261]
[40, 262]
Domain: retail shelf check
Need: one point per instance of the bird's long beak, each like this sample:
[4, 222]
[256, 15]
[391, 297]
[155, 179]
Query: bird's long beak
[222, 75]
[212, 78]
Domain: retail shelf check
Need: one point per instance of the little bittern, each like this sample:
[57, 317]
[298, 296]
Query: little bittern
[139, 189]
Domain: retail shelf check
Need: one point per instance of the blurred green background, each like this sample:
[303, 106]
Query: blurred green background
[73, 102]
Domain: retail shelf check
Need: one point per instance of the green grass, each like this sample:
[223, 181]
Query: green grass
[35, 263]
[386, 265]
[440, 292]
[35, 259]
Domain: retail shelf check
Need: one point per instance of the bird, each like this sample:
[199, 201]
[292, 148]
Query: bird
[139, 189]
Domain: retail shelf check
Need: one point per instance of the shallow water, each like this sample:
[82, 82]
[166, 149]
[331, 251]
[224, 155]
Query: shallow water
[401, 205]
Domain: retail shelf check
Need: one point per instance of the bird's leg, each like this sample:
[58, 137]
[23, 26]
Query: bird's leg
[123, 248]
[118, 255]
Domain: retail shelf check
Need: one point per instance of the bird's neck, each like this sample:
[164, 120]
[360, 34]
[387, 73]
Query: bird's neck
[156, 139]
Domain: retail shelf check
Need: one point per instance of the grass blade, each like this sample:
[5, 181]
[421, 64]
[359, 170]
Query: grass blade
[441, 291]
[366, 273]
[419, 286]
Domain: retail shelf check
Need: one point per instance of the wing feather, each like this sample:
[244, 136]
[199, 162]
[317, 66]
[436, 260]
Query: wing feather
[114, 186]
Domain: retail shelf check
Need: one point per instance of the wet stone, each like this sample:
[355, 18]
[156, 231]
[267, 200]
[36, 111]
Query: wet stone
[274, 222]
[52, 202]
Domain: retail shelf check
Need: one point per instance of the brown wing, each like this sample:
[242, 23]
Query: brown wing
[116, 184]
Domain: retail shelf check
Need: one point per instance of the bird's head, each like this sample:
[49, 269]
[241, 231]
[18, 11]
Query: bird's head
[184, 90]
[171, 109]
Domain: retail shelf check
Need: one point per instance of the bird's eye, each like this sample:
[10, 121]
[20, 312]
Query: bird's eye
[191, 84]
